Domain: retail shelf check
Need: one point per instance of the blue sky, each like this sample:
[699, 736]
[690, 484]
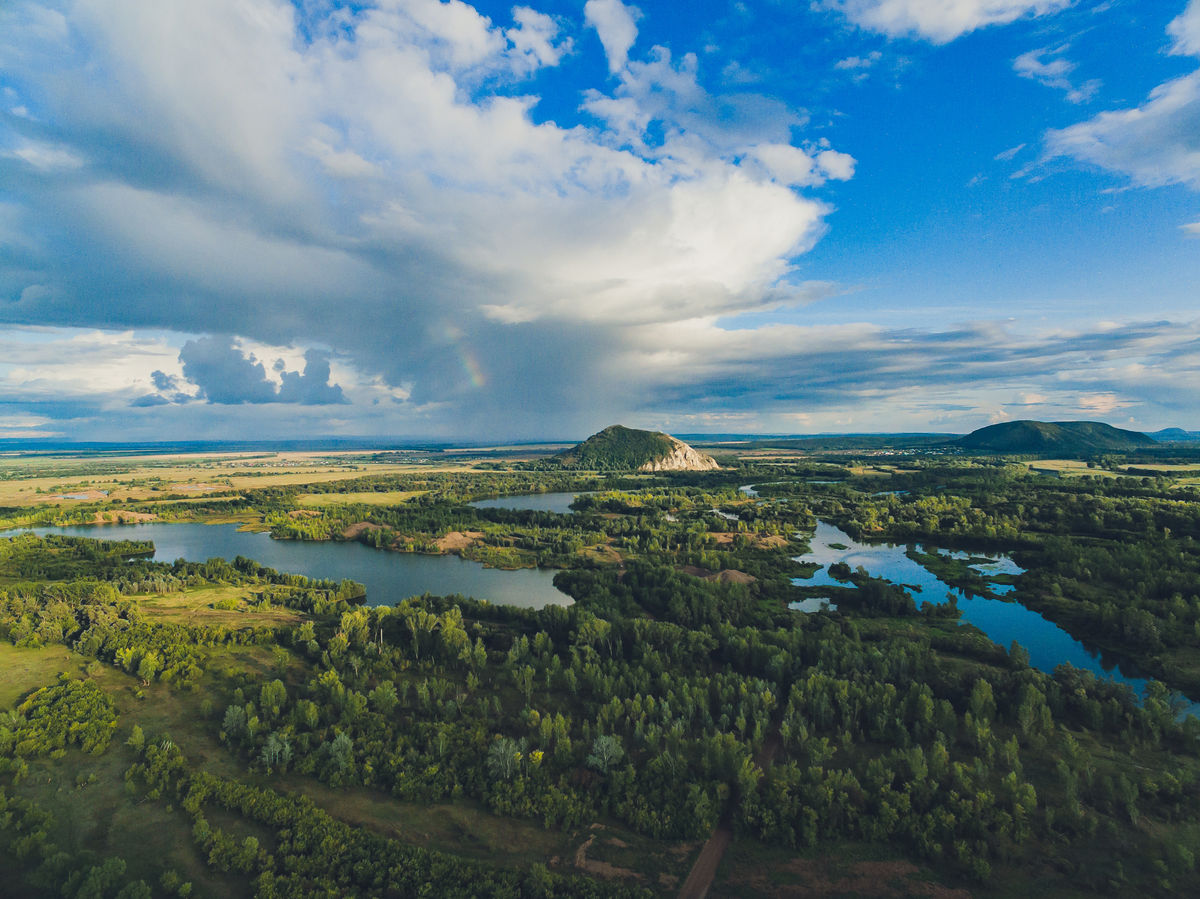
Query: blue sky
[254, 218]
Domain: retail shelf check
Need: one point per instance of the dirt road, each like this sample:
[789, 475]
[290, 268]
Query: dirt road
[700, 878]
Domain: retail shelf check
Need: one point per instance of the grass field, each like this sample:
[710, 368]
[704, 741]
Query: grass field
[24, 670]
[1068, 468]
[750, 869]
[459, 827]
[203, 606]
[86, 793]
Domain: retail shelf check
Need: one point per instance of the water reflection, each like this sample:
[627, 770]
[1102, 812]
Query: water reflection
[1002, 621]
[532, 502]
[388, 576]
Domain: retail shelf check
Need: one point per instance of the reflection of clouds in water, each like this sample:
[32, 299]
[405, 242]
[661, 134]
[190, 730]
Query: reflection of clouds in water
[1003, 622]
[813, 604]
[989, 567]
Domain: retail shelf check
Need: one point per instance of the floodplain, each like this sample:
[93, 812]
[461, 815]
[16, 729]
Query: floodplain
[216, 727]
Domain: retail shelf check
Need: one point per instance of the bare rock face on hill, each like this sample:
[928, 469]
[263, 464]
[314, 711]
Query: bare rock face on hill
[681, 458]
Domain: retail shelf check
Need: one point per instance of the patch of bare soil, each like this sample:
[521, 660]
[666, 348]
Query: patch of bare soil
[879, 880]
[122, 516]
[732, 576]
[606, 554]
[771, 541]
[599, 868]
[457, 541]
[307, 513]
[728, 576]
[358, 527]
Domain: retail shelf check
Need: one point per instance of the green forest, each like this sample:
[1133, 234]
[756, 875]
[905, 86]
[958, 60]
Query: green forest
[217, 728]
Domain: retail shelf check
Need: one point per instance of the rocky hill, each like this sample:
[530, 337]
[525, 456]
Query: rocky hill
[618, 448]
[1056, 437]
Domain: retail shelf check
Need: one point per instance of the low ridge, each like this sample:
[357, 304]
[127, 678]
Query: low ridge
[618, 448]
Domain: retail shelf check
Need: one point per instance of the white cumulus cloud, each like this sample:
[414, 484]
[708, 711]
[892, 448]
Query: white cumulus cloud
[939, 21]
[1156, 143]
[616, 25]
[1048, 66]
[1185, 29]
[375, 182]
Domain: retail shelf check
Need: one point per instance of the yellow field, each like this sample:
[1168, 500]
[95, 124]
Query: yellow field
[1190, 467]
[872, 470]
[389, 498]
[39, 481]
[1067, 468]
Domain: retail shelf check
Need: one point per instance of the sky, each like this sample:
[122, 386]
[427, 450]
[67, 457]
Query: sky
[255, 219]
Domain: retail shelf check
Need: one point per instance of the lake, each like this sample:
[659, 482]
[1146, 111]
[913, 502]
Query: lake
[532, 502]
[388, 576]
[1003, 622]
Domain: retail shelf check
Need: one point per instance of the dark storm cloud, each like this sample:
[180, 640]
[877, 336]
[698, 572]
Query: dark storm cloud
[163, 381]
[311, 388]
[225, 375]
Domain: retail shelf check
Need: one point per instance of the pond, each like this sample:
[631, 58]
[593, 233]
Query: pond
[388, 576]
[1003, 622]
[532, 502]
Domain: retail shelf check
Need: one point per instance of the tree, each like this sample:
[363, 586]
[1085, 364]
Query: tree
[149, 666]
[276, 752]
[234, 723]
[384, 699]
[504, 758]
[606, 752]
[272, 698]
[341, 752]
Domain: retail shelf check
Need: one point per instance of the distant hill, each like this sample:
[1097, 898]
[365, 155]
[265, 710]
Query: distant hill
[618, 448]
[847, 442]
[1067, 437]
[1175, 435]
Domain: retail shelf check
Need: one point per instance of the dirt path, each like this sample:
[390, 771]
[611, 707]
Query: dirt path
[700, 878]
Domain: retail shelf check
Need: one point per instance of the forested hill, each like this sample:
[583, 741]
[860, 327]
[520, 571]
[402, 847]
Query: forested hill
[1068, 437]
[618, 448]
